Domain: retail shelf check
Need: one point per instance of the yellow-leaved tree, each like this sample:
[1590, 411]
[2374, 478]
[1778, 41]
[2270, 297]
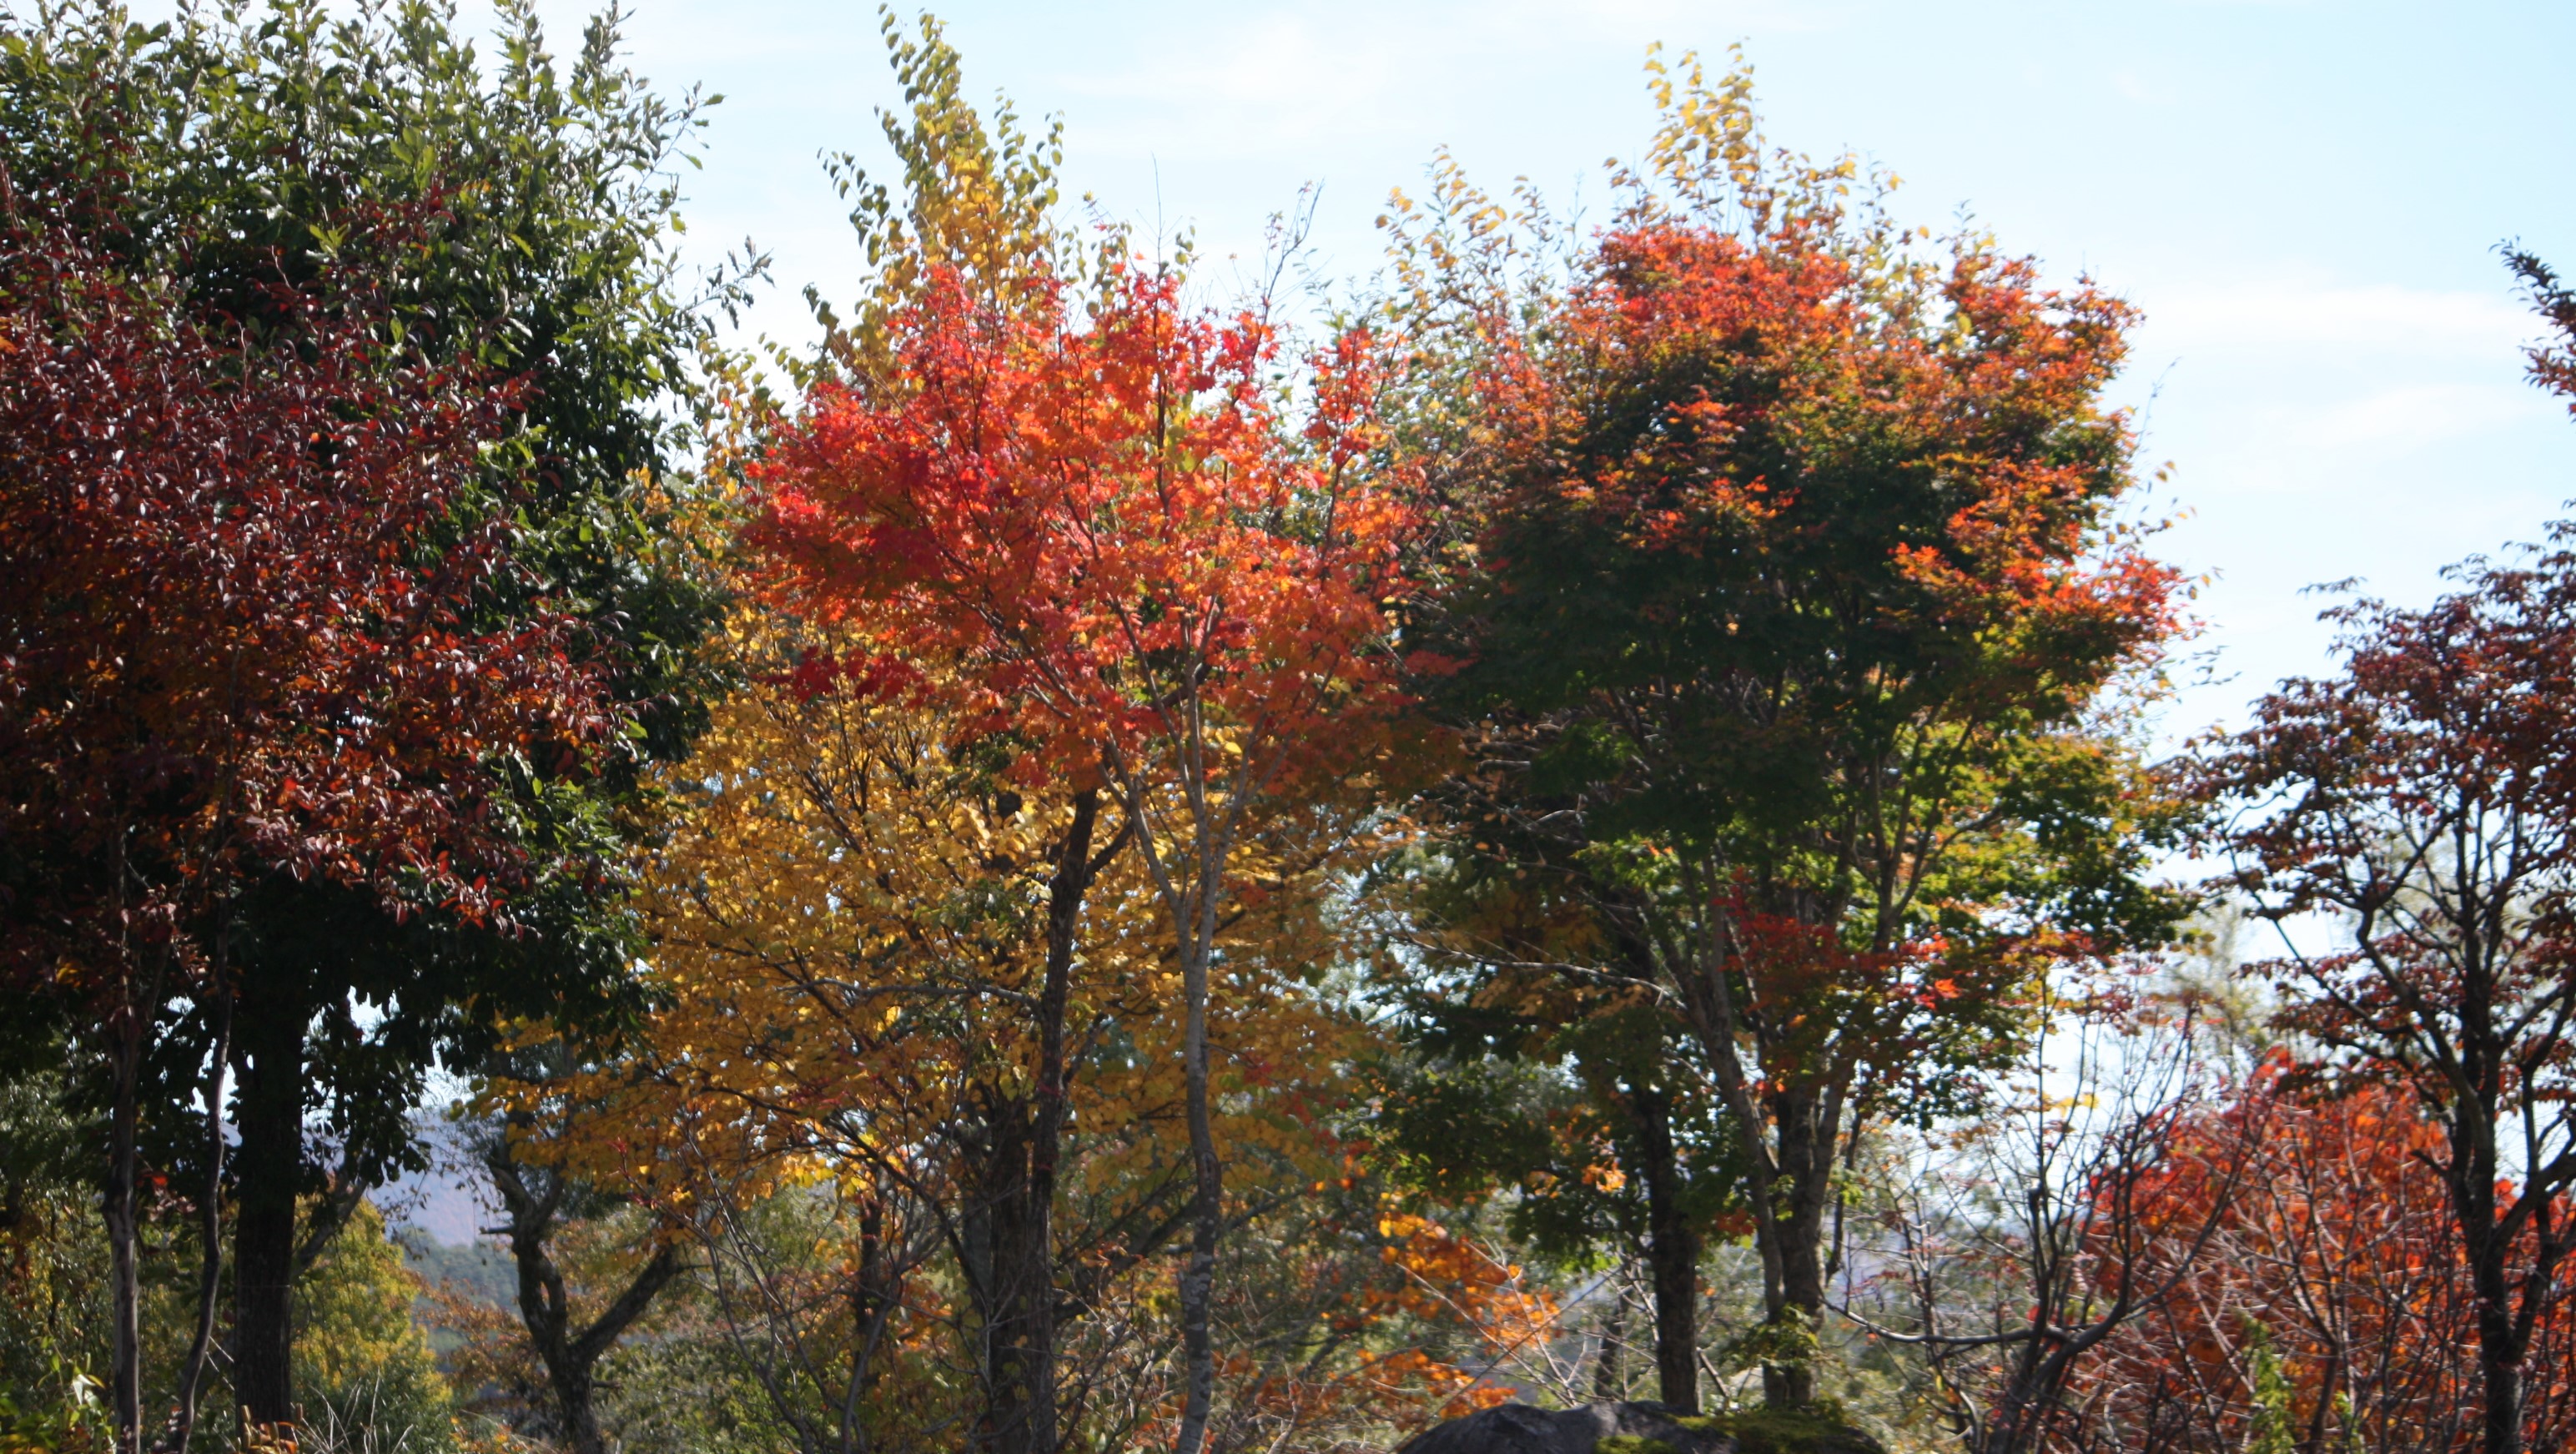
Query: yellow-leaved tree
[913, 1091]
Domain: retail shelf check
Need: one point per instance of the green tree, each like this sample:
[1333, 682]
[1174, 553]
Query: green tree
[1796, 600]
[1571, 1083]
[366, 1363]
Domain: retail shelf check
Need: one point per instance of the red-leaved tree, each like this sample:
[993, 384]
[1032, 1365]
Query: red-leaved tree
[1143, 571]
[2425, 799]
[2332, 1311]
[238, 583]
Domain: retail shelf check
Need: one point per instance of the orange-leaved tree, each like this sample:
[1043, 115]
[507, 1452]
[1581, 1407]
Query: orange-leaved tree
[2422, 796]
[886, 1018]
[1798, 608]
[1104, 523]
[2332, 1312]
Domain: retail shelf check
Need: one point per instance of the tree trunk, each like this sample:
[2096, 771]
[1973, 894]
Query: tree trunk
[125, 1323]
[1788, 1181]
[270, 1171]
[1672, 1253]
[1019, 1294]
[2472, 1175]
[1806, 1152]
[1198, 1275]
[210, 1221]
[571, 1356]
[870, 1300]
[1022, 1348]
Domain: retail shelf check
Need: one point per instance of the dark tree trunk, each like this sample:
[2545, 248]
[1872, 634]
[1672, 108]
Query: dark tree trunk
[270, 1169]
[1803, 1193]
[1021, 1194]
[1672, 1252]
[872, 1297]
[533, 1201]
[1019, 1294]
[125, 1322]
[2473, 1172]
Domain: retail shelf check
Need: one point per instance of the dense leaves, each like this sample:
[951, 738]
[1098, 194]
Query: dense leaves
[1799, 582]
[1126, 867]
[1101, 530]
[241, 598]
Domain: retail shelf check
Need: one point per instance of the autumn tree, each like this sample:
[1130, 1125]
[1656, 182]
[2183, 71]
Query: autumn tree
[544, 202]
[1100, 521]
[2333, 1306]
[886, 973]
[1547, 1062]
[2420, 800]
[1793, 592]
[228, 660]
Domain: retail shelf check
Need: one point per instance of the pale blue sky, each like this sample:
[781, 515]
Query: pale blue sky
[2304, 198]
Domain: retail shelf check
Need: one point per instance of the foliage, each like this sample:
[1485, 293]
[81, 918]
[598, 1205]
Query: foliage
[1797, 583]
[508, 221]
[2420, 799]
[851, 925]
[231, 663]
[2332, 1312]
[366, 1361]
[1104, 537]
[325, 711]
[53, 1263]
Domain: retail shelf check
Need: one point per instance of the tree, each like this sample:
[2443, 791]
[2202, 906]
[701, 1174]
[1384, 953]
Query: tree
[884, 966]
[2333, 1277]
[543, 204]
[2422, 799]
[1101, 526]
[1797, 599]
[1573, 1085]
[228, 661]
[534, 1202]
[2018, 1250]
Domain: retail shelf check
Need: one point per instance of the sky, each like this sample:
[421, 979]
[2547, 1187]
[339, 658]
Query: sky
[2304, 198]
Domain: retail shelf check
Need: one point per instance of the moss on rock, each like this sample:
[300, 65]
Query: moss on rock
[1759, 1431]
[1632, 1444]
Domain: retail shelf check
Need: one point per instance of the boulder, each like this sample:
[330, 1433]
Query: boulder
[1638, 1428]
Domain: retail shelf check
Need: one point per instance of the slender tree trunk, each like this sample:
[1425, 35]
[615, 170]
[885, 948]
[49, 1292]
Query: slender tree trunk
[869, 1302]
[210, 1219]
[125, 1323]
[1609, 1365]
[1198, 1275]
[1024, 1245]
[1672, 1253]
[1780, 1160]
[270, 1173]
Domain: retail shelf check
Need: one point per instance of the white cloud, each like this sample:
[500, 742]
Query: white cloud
[2295, 314]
